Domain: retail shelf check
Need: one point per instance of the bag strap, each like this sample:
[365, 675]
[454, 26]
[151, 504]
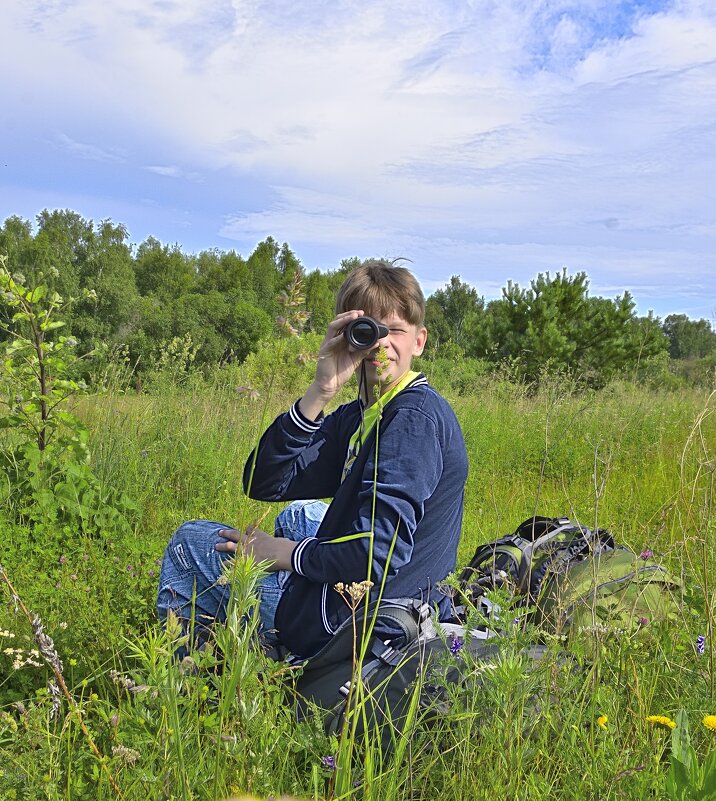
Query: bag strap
[586, 539]
[408, 615]
[524, 574]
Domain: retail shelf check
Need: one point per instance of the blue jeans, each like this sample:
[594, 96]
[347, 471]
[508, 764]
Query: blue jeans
[191, 567]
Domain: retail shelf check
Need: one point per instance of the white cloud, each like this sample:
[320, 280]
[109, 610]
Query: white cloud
[561, 132]
[173, 171]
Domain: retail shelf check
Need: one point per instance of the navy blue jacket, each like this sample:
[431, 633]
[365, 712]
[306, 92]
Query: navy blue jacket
[418, 494]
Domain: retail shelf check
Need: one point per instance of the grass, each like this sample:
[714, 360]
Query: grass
[637, 461]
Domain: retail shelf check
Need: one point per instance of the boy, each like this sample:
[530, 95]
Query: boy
[402, 515]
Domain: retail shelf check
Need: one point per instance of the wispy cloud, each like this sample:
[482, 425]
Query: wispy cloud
[172, 171]
[87, 151]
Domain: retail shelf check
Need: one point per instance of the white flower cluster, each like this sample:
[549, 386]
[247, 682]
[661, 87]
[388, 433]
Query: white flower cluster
[23, 658]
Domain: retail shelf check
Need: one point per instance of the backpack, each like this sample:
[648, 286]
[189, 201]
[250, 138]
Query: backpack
[573, 578]
[405, 678]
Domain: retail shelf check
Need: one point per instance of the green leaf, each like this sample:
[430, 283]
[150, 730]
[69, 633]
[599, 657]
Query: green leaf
[51, 326]
[678, 780]
[680, 741]
[36, 294]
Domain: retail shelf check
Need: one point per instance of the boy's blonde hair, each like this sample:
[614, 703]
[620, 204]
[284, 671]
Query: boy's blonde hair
[381, 288]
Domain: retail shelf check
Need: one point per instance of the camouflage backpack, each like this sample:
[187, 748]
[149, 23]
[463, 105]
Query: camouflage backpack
[574, 578]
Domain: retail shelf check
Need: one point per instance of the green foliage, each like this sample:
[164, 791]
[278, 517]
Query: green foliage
[148, 297]
[556, 324]
[689, 339]
[455, 315]
[44, 446]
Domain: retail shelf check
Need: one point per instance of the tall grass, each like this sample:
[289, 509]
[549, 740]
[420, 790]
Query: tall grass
[639, 462]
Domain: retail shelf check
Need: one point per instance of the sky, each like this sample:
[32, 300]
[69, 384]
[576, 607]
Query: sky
[490, 139]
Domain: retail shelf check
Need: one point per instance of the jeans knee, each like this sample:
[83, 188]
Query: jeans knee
[185, 543]
[300, 519]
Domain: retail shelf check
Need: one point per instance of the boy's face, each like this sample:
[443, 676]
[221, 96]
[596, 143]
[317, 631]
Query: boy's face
[403, 342]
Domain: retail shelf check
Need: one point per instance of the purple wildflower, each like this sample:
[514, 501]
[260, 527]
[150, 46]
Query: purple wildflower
[456, 644]
[642, 621]
[701, 644]
[647, 553]
[329, 762]
[63, 560]
[151, 573]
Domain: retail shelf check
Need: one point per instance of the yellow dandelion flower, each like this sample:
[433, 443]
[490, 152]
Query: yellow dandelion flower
[602, 721]
[661, 720]
[710, 722]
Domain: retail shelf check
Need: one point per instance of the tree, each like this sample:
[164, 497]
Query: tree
[320, 301]
[224, 272]
[264, 274]
[163, 271]
[689, 339]
[456, 314]
[107, 270]
[555, 323]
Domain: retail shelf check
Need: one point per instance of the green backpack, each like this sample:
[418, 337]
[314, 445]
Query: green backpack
[574, 578]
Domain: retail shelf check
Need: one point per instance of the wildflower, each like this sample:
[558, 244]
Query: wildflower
[701, 644]
[602, 721]
[54, 691]
[329, 762]
[127, 756]
[456, 644]
[661, 720]
[646, 554]
[8, 634]
[46, 645]
[642, 621]
[114, 721]
[63, 560]
[151, 573]
[353, 593]
[710, 722]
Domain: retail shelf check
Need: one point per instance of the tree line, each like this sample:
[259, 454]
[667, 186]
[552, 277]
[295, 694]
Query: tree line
[226, 305]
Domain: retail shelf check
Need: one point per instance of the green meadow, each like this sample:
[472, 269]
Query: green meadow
[638, 460]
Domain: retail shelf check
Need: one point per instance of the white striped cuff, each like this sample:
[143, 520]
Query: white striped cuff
[297, 555]
[309, 426]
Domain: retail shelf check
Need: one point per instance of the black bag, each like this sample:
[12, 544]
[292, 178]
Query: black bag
[404, 678]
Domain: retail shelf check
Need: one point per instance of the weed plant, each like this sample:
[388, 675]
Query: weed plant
[635, 460]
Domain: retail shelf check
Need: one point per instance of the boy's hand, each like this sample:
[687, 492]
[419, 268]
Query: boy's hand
[275, 552]
[336, 364]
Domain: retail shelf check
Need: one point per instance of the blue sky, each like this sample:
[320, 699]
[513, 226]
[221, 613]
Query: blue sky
[493, 139]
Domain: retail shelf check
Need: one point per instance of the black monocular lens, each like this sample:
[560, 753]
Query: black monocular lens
[363, 333]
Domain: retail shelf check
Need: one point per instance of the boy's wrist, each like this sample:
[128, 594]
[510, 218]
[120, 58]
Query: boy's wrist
[314, 401]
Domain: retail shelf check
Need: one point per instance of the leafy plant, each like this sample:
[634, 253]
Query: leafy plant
[44, 447]
[688, 779]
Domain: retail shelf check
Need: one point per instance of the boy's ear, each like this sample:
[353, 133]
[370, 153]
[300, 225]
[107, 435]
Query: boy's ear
[421, 338]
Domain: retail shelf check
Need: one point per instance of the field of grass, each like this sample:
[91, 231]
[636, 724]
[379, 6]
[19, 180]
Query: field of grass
[637, 461]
